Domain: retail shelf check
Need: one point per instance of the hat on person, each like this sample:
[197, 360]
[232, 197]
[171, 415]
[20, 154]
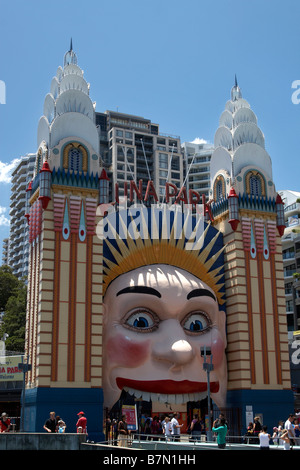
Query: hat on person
[3, 415]
[80, 413]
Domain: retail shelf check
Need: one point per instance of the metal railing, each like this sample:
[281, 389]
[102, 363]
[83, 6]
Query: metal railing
[135, 439]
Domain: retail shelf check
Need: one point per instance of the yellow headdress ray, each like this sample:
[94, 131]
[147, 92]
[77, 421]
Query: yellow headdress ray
[188, 251]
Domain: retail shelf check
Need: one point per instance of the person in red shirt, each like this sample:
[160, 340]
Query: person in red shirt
[4, 423]
[81, 423]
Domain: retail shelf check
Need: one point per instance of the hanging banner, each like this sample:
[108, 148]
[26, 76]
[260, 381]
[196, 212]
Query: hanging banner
[9, 369]
[131, 416]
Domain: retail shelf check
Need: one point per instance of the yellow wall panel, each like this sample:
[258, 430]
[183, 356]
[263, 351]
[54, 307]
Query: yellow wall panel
[257, 331]
[80, 323]
[81, 253]
[266, 269]
[255, 294]
[253, 267]
[270, 332]
[65, 251]
[64, 282]
[268, 296]
[63, 322]
[259, 367]
[81, 283]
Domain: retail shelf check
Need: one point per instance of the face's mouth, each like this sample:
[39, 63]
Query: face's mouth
[171, 391]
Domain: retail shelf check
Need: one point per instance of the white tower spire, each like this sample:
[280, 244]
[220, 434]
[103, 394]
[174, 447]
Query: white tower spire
[70, 56]
[239, 149]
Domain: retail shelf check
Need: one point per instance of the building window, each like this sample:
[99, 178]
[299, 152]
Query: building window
[163, 160]
[288, 288]
[130, 155]
[175, 164]
[75, 159]
[219, 188]
[255, 184]
[175, 175]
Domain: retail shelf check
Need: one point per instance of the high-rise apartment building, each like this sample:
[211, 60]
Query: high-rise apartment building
[291, 258]
[197, 166]
[133, 148]
[5, 251]
[18, 238]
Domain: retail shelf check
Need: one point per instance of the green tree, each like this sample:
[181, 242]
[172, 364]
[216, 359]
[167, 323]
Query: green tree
[14, 292]
[8, 283]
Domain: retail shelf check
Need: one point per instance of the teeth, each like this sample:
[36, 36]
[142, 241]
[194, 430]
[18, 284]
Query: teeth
[163, 398]
[178, 399]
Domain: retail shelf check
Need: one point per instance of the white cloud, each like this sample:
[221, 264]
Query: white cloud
[6, 170]
[199, 141]
[3, 219]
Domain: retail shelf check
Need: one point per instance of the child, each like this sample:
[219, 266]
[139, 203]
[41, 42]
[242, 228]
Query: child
[286, 440]
[61, 426]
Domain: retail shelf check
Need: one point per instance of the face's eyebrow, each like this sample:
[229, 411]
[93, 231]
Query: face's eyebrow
[139, 290]
[201, 292]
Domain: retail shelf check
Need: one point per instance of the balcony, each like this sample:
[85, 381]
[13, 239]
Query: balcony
[289, 272]
[288, 255]
[292, 209]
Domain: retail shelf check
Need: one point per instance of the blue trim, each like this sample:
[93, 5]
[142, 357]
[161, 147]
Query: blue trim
[66, 402]
[274, 405]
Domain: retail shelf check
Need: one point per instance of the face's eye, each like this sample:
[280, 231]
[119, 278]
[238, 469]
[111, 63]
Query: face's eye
[141, 320]
[196, 323]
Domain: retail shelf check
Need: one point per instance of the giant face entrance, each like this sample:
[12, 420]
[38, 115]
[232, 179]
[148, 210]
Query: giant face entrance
[150, 416]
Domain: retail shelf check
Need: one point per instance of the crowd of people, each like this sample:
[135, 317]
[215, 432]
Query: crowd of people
[56, 424]
[166, 428]
[286, 434]
[151, 428]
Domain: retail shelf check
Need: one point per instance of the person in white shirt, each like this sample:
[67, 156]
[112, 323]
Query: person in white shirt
[264, 439]
[167, 428]
[176, 427]
[290, 428]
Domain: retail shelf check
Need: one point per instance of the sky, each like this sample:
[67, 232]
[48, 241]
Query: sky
[170, 61]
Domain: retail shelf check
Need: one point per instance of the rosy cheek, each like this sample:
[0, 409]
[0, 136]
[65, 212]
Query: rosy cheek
[125, 352]
[218, 350]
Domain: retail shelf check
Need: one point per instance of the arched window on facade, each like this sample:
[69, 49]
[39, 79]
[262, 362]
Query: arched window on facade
[75, 159]
[255, 184]
[219, 188]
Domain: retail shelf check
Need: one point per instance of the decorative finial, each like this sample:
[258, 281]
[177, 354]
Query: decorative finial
[235, 81]
[70, 56]
[235, 90]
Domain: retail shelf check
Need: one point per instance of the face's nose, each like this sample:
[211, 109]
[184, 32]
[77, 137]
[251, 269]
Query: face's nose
[172, 346]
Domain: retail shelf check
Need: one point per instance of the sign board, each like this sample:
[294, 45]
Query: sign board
[293, 220]
[9, 368]
[131, 416]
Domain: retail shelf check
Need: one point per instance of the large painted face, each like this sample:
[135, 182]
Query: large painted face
[156, 320]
